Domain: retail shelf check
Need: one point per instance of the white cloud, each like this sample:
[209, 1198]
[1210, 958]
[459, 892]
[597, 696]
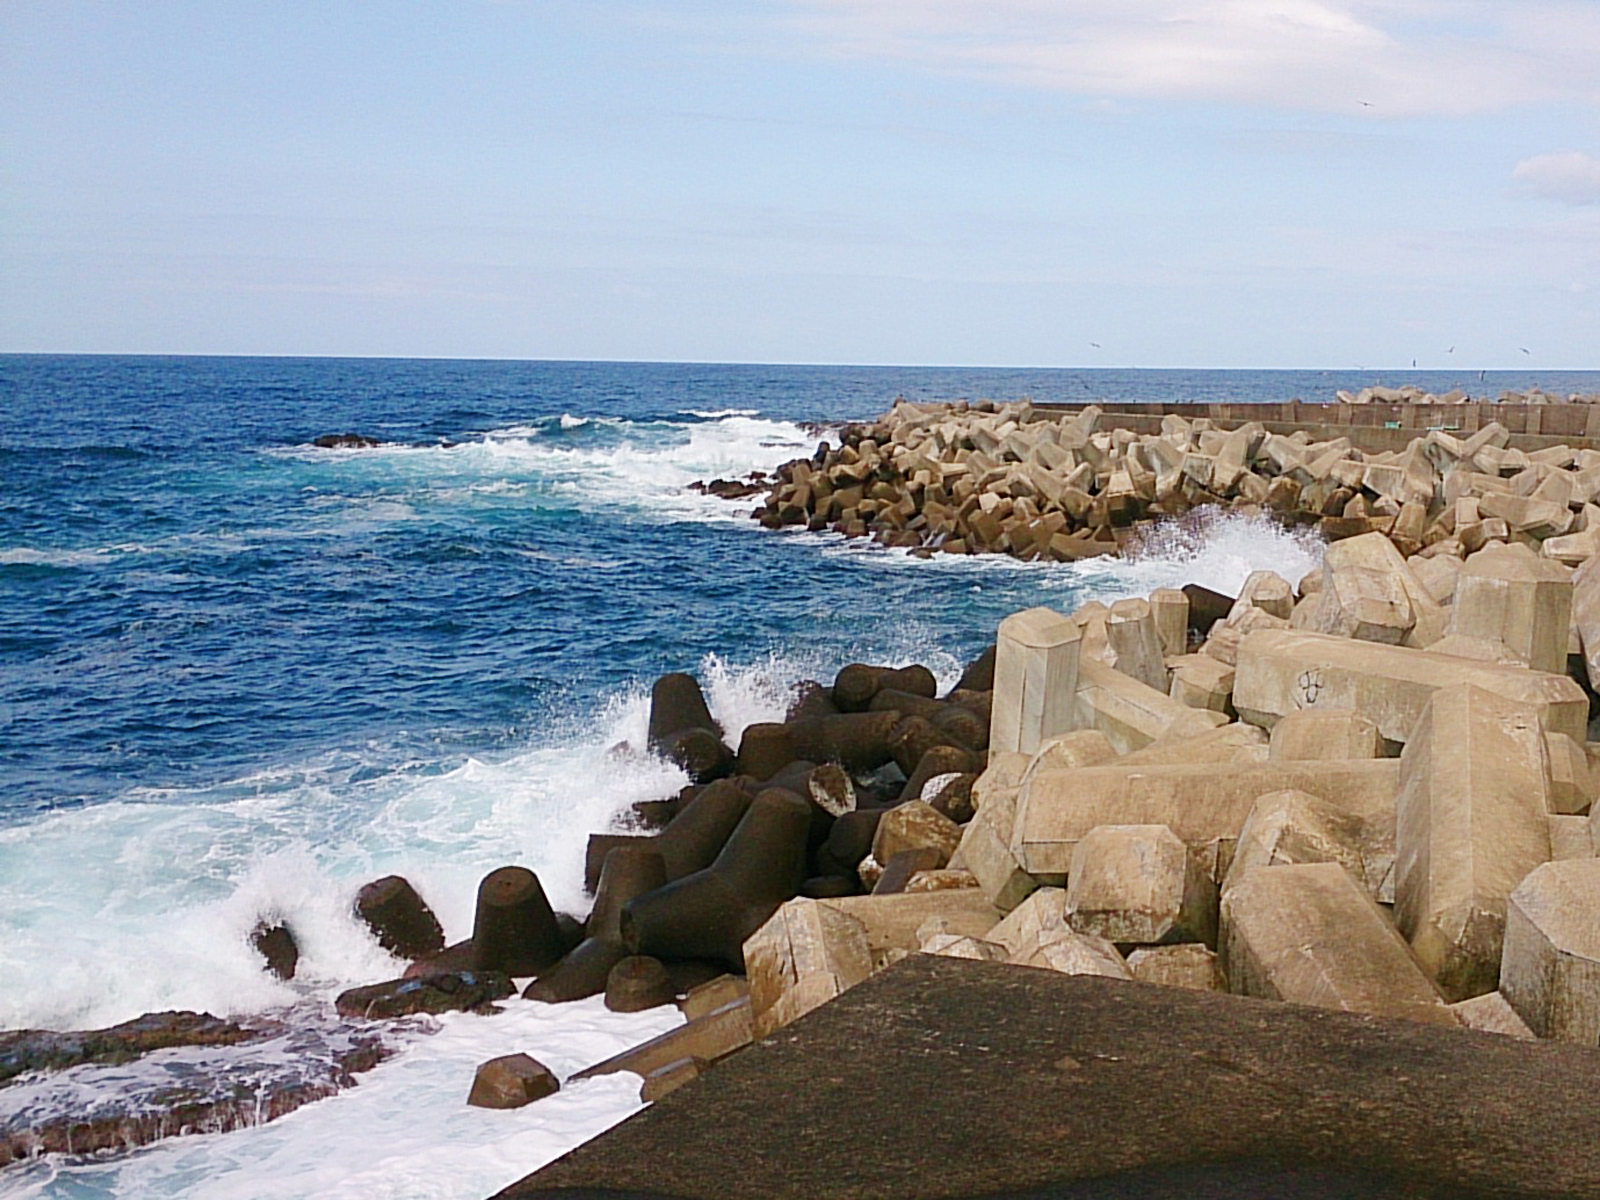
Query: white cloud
[1571, 177]
[1384, 58]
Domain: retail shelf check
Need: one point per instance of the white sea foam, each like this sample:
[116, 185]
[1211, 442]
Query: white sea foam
[404, 1131]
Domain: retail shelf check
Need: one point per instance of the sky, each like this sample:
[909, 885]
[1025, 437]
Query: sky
[1151, 183]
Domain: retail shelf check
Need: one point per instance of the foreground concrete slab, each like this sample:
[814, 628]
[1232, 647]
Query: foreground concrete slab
[1284, 670]
[994, 1081]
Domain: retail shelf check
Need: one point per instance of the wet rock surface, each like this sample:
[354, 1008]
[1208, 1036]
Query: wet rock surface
[170, 1074]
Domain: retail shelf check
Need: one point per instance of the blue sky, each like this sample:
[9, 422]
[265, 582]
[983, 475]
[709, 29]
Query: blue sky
[1267, 183]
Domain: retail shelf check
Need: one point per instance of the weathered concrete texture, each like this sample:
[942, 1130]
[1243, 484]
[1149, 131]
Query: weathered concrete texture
[1035, 679]
[1551, 967]
[1201, 681]
[1310, 734]
[1233, 742]
[1491, 1013]
[1470, 825]
[1369, 593]
[1284, 670]
[986, 851]
[1509, 595]
[1190, 965]
[1573, 786]
[1200, 804]
[1136, 642]
[1140, 885]
[804, 956]
[1133, 714]
[1292, 826]
[986, 1081]
[1309, 934]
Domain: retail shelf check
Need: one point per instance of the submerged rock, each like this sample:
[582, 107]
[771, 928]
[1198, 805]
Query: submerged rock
[168, 1074]
[447, 991]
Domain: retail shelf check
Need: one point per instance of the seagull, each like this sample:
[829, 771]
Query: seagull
[1452, 350]
[1364, 103]
[1096, 345]
[1413, 363]
[1526, 351]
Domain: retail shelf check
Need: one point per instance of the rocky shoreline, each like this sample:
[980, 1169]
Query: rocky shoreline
[1370, 789]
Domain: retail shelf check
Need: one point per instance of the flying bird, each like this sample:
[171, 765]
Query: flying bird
[1526, 351]
[1096, 345]
[1452, 350]
[1364, 103]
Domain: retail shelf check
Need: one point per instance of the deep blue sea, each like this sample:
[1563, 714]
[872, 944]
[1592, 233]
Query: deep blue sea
[240, 675]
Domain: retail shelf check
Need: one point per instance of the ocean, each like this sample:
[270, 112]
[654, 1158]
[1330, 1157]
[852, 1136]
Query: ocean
[241, 675]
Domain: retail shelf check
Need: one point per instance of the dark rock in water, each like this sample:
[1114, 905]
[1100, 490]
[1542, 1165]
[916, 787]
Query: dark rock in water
[276, 944]
[582, 973]
[450, 991]
[637, 983]
[676, 702]
[515, 930]
[223, 1077]
[710, 913]
[732, 489]
[44, 1050]
[979, 674]
[1206, 608]
[344, 441]
[856, 684]
[571, 931]
[402, 923]
[458, 956]
[511, 1081]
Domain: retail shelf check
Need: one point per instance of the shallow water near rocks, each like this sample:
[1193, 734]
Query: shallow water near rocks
[240, 676]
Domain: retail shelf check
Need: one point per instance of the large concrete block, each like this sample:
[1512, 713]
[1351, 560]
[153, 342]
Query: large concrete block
[1201, 681]
[1313, 734]
[1201, 804]
[1080, 748]
[1470, 825]
[1132, 714]
[1131, 629]
[1170, 607]
[1269, 591]
[1233, 742]
[1509, 595]
[1491, 1013]
[1073, 953]
[1550, 971]
[1290, 827]
[1309, 934]
[1043, 914]
[891, 921]
[1283, 671]
[804, 956]
[1369, 593]
[1190, 965]
[1573, 785]
[985, 850]
[915, 825]
[1035, 679]
[1140, 885]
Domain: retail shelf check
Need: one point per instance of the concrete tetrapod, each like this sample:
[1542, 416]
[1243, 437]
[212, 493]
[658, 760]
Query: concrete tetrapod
[710, 913]
[1140, 885]
[1309, 934]
[1470, 825]
[629, 871]
[403, 924]
[1035, 679]
[1550, 971]
[514, 931]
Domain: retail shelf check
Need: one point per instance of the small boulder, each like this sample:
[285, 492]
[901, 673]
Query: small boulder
[511, 1081]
